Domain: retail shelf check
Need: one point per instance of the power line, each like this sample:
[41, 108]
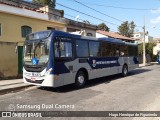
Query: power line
[78, 18]
[91, 15]
[98, 11]
[83, 20]
[86, 14]
[101, 12]
[118, 7]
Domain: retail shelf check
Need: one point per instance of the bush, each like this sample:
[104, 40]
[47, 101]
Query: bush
[149, 51]
[154, 58]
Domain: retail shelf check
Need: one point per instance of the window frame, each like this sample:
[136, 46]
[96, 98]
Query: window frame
[104, 49]
[132, 50]
[87, 49]
[121, 50]
[90, 34]
[90, 49]
[60, 59]
[0, 29]
[102, 45]
[25, 28]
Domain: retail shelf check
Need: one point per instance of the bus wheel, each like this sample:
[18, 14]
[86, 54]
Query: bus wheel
[125, 71]
[80, 79]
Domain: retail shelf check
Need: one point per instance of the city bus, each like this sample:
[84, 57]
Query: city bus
[55, 58]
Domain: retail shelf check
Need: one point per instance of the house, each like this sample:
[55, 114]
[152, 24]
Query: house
[18, 18]
[100, 33]
[81, 28]
[156, 49]
[139, 36]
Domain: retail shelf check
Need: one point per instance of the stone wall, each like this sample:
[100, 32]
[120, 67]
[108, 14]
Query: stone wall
[8, 59]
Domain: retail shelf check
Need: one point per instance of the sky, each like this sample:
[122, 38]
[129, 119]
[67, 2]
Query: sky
[114, 12]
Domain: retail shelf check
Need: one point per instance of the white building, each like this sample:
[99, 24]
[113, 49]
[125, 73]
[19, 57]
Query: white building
[156, 49]
[99, 35]
[139, 36]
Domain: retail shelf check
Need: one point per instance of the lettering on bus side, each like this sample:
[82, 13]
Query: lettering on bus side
[103, 62]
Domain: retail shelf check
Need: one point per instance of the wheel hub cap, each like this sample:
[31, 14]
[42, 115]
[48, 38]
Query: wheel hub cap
[81, 79]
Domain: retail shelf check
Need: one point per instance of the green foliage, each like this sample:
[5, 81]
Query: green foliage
[127, 29]
[62, 12]
[140, 49]
[103, 27]
[42, 2]
[51, 3]
[149, 50]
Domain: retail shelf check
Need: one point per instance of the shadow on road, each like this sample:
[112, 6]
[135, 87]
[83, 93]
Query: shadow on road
[94, 82]
[138, 71]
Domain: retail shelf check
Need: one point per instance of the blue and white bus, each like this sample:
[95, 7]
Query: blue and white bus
[56, 58]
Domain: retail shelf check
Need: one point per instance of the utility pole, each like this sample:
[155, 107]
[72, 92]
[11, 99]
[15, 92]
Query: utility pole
[144, 46]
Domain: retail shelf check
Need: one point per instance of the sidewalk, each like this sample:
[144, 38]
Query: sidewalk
[148, 64]
[7, 86]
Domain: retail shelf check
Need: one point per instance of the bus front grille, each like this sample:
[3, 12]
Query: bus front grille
[36, 81]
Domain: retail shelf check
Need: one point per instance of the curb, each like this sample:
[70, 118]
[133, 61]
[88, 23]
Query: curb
[14, 89]
[150, 64]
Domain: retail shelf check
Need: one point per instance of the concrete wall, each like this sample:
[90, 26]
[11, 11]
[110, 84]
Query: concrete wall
[11, 34]
[11, 26]
[74, 26]
[98, 35]
[140, 37]
[156, 49]
[8, 59]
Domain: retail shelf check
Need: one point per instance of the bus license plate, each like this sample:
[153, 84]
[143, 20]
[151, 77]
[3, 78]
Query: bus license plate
[36, 74]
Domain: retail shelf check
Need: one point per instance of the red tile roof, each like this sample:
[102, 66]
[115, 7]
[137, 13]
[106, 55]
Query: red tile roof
[115, 35]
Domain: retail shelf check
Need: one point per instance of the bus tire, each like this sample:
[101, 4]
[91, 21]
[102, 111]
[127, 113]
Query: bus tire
[125, 71]
[80, 79]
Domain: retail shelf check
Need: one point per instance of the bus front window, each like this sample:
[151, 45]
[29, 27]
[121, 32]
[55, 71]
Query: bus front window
[37, 50]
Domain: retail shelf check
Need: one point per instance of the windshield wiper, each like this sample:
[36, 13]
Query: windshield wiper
[36, 47]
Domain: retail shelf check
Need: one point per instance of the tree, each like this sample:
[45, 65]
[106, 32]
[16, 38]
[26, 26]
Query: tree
[103, 27]
[149, 50]
[51, 3]
[127, 29]
[140, 49]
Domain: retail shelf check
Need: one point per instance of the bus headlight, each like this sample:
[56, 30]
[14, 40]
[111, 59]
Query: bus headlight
[48, 71]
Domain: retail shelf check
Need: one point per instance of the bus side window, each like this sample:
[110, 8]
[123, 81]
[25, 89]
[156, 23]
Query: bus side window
[93, 49]
[63, 49]
[105, 49]
[117, 52]
[123, 50]
[82, 48]
[66, 49]
[132, 50]
[56, 49]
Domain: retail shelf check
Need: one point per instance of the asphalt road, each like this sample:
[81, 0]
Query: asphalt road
[139, 91]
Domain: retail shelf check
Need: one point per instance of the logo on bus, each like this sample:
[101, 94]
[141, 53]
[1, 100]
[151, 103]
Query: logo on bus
[94, 63]
[34, 61]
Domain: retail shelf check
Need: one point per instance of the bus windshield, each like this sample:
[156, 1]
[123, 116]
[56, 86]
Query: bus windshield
[36, 52]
